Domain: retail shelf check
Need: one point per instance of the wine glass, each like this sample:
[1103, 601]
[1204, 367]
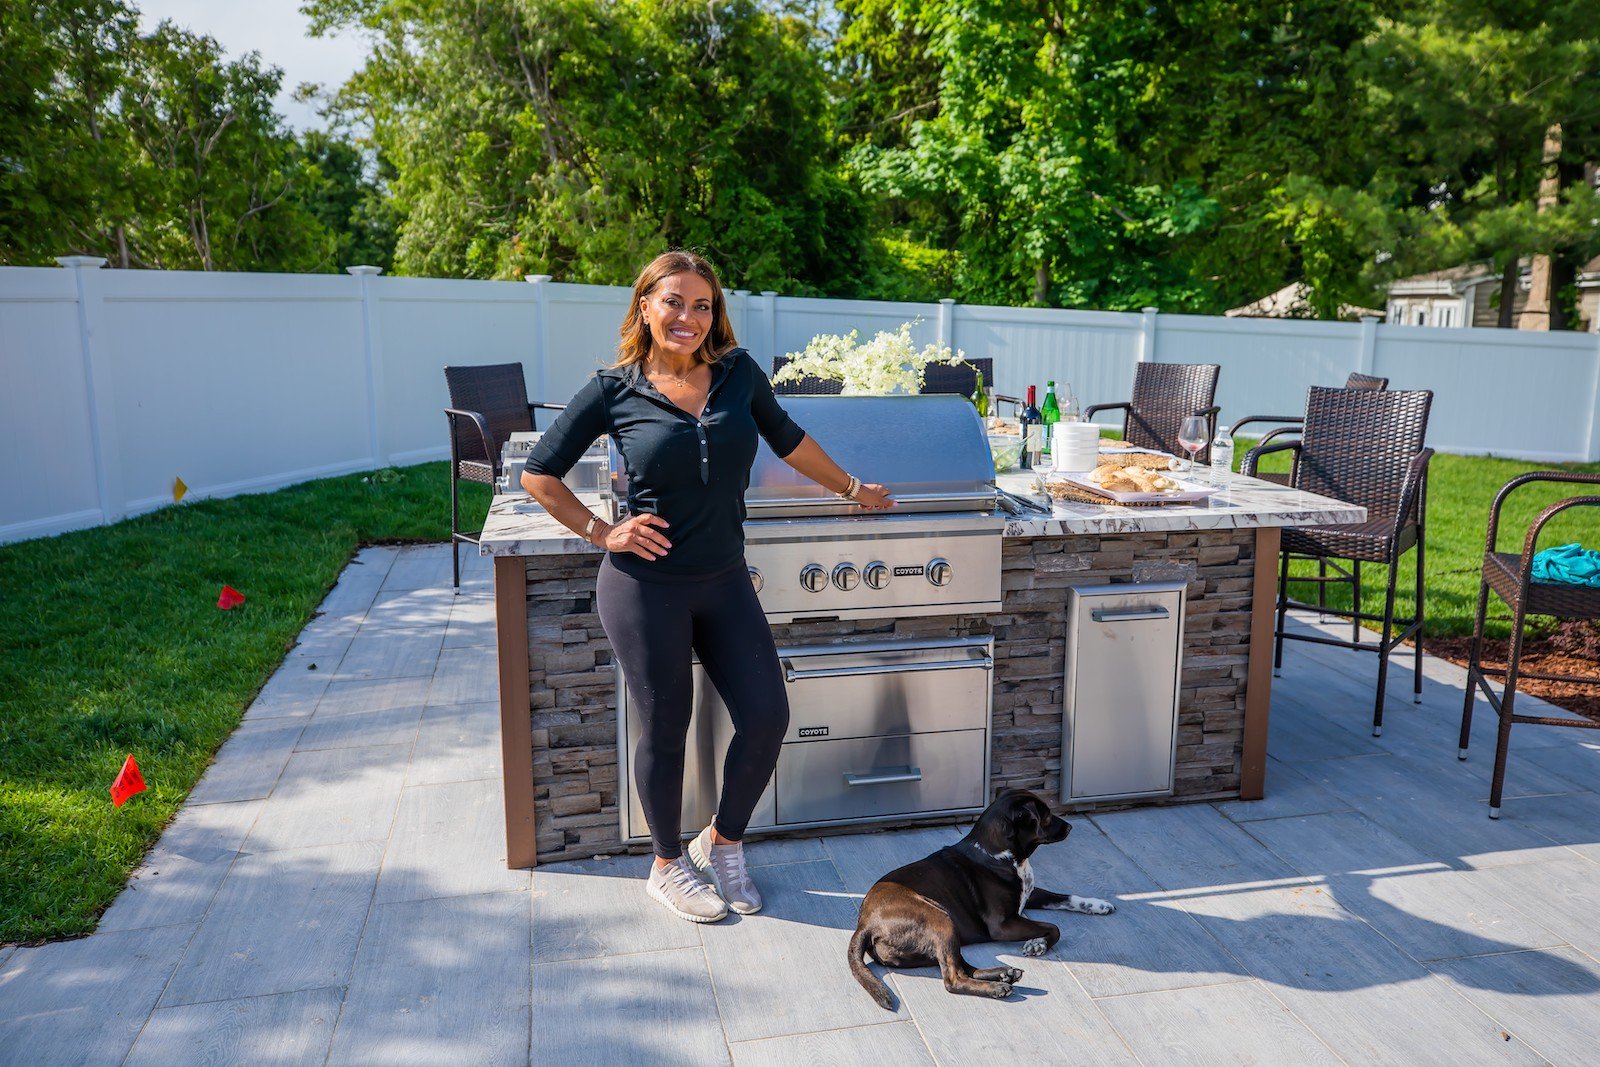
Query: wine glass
[1193, 435]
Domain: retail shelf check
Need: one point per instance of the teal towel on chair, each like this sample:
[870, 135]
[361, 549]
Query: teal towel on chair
[1572, 564]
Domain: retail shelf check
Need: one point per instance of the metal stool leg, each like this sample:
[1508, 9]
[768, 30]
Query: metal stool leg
[1383, 653]
[1474, 667]
[1355, 600]
[1283, 613]
[1421, 621]
[1508, 697]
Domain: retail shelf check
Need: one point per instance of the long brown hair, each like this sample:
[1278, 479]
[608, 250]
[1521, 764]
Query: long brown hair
[634, 346]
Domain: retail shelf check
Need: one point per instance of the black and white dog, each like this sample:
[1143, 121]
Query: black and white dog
[970, 892]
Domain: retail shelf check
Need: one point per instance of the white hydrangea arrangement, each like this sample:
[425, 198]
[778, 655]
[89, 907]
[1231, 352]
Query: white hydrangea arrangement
[889, 363]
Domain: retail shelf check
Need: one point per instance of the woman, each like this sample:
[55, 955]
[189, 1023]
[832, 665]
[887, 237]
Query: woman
[683, 406]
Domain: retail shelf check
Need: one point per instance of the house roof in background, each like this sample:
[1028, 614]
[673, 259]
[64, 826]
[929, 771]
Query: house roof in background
[1448, 282]
[1291, 302]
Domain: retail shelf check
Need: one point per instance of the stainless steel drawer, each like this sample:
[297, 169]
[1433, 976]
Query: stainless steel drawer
[1120, 714]
[868, 777]
[869, 690]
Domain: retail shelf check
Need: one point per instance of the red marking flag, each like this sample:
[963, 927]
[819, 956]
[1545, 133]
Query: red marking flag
[129, 781]
[230, 598]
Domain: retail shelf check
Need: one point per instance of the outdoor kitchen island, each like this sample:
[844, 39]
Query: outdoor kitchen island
[565, 790]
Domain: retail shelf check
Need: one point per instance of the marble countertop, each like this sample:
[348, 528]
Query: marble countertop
[517, 526]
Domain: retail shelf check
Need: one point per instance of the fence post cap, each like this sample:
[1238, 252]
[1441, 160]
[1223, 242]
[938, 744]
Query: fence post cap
[741, 292]
[1149, 311]
[769, 292]
[947, 300]
[1370, 318]
[535, 279]
[81, 261]
[364, 269]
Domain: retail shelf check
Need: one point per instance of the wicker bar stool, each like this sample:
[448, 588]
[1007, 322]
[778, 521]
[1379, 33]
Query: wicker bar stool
[1364, 447]
[487, 405]
[1510, 577]
[1164, 394]
[1291, 423]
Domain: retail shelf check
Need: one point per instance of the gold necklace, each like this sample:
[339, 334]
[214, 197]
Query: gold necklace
[679, 379]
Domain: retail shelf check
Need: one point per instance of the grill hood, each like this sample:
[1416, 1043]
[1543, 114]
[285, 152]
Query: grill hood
[930, 451]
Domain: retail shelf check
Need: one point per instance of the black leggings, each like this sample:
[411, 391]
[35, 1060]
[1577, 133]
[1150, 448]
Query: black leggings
[653, 625]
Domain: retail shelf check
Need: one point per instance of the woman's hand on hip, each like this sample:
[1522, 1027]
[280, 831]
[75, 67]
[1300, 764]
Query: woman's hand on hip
[874, 497]
[637, 534]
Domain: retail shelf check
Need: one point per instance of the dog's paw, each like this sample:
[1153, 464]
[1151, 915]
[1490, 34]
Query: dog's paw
[1000, 990]
[1037, 947]
[1085, 905]
[1012, 975]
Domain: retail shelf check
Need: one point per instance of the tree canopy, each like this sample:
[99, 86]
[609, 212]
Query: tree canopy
[1074, 153]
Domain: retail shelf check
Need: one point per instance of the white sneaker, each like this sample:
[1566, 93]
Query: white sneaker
[683, 894]
[724, 866]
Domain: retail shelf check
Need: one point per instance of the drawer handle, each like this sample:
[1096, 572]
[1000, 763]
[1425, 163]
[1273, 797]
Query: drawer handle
[1127, 614]
[885, 777]
[792, 675]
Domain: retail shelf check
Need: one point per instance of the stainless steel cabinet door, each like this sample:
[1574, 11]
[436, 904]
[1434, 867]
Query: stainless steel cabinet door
[1119, 723]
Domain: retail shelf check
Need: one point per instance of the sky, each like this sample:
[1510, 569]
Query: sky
[277, 30]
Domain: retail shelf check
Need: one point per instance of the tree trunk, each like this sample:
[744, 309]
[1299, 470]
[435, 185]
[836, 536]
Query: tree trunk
[1041, 285]
[1508, 294]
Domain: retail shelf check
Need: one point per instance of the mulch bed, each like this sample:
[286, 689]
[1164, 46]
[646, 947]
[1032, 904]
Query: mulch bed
[1537, 655]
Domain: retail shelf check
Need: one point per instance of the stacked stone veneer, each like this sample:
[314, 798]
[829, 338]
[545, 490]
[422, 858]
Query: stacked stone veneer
[572, 689]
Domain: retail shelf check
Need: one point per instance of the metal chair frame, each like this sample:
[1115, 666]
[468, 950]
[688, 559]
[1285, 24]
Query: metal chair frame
[1511, 578]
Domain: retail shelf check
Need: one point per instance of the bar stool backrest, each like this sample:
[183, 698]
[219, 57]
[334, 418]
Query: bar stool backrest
[1164, 394]
[496, 391]
[1357, 444]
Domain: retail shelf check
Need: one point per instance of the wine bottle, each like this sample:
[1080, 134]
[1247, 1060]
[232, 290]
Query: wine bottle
[1049, 415]
[980, 398]
[1030, 429]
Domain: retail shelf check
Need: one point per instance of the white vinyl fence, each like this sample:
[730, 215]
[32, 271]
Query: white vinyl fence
[113, 383]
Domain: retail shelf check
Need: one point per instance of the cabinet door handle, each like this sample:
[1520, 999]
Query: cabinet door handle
[1127, 614]
[793, 674]
[885, 777]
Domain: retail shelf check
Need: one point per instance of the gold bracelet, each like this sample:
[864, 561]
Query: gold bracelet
[851, 490]
[588, 528]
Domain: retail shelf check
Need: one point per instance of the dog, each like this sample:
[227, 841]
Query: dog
[970, 892]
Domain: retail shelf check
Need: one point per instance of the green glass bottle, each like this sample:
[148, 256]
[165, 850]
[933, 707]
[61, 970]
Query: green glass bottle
[980, 398]
[1049, 415]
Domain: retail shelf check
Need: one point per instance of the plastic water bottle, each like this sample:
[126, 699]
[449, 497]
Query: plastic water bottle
[1221, 456]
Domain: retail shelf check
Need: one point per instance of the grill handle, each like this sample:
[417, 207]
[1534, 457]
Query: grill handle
[790, 674]
[888, 776]
[1128, 614]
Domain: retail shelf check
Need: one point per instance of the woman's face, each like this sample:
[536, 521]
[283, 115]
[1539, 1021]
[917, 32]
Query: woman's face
[678, 313]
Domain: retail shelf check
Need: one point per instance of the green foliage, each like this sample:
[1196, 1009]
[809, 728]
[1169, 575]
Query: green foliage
[154, 150]
[580, 137]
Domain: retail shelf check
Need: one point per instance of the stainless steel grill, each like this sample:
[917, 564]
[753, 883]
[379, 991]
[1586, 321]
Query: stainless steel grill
[888, 728]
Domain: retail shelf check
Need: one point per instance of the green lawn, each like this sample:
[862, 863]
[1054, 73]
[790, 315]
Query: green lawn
[113, 644]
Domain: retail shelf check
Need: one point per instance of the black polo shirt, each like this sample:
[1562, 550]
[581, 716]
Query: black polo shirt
[691, 472]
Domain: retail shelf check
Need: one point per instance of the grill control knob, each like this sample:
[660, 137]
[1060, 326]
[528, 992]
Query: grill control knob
[939, 571]
[875, 574]
[755, 578]
[846, 577]
[813, 578]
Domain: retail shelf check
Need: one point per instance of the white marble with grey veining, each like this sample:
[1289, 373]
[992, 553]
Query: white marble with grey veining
[519, 527]
[1243, 504]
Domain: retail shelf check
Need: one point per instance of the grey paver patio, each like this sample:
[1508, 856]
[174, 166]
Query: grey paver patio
[335, 892]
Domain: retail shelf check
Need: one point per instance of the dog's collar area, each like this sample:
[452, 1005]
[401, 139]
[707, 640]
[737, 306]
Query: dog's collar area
[1003, 858]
